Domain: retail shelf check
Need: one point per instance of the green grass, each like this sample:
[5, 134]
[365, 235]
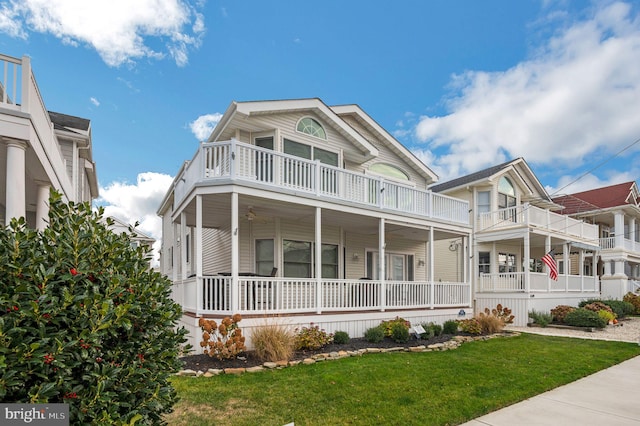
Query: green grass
[435, 388]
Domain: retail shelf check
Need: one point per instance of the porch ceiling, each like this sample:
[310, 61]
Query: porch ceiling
[217, 208]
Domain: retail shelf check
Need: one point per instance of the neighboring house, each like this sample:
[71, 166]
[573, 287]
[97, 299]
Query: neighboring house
[138, 238]
[615, 210]
[514, 226]
[39, 149]
[297, 212]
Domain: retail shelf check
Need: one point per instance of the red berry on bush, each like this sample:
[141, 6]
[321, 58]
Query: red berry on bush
[73, 271]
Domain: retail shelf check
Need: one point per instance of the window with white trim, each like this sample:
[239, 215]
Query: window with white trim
[310, 126]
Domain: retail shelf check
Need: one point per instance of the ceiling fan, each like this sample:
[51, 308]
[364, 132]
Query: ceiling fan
[251, 216]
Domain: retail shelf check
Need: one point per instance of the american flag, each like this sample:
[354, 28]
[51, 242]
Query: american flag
[550, 261]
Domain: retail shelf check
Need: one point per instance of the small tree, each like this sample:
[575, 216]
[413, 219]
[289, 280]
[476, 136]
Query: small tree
[85, 321]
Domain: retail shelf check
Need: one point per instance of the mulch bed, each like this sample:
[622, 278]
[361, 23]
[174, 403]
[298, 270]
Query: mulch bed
[249, 358]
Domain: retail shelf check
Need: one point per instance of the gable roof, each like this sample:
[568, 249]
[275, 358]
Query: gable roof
[371, 125]
[255, 108]
[69, 123]
[537, 195]
[622, 194]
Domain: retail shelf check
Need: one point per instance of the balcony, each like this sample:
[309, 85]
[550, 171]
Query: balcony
[232, 161]
[527, 216]
[255, 295]
[516, 282]
[24, 116]
[612, 243]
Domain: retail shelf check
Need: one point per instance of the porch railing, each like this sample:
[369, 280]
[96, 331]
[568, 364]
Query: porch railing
[609, 243]
[526, 215]
[213, 294]
[515, 282]
[234, 160]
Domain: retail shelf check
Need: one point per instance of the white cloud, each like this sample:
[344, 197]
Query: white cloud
[116, 29]
[202, 126]
[578, 95]
[138, 202]
[94, 101]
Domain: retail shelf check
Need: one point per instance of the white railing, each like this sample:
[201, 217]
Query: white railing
[515, 282]
[610, 243]
[525, 215]
[260, 295]
[633, 286]
[232, 160]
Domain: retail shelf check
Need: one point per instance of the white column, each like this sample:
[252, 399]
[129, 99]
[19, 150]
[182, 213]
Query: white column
[42, 205]
[235, 254]
[525, 263]
[198, 246]
[547, 248]
[16, 180]
[381, 267]
[581, 269]
[607, 268]
[432, 271]
[318, 258]
[565, 262]
[183, 246]
[618, 229]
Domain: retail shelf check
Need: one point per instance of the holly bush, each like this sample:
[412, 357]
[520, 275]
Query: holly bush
[85, 321]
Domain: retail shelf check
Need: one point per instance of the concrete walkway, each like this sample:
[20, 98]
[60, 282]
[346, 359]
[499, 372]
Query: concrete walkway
[608, 397]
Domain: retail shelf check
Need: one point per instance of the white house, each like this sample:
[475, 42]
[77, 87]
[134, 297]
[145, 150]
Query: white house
[615, 210]
[514, 226]
[39, 149]
[299, 212]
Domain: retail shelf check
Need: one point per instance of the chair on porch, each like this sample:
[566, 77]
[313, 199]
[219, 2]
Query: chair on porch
[274, 271]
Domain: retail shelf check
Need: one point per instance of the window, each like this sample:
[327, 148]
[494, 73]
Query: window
[507, 198]
[298, 259]
[484, 202]
[311, 127]
[264, 257]
[187, 247]
[484, 262]
[300, 174]
[506, 262]
[389, 171]
[310, 152]
[398, 267]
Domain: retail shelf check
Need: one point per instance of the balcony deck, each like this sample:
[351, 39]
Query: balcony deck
[221, 162]
[527, 216]
[269, 296]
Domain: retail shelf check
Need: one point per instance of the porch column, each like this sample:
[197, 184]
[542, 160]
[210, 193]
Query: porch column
[235, 255]
[618, 229]
[318, 263]
[565, 262]
[607, 267]
[619, 268]
[432, 273]
[466, 245]
[42, 206]
[183, 246]
[174, 253]
[198, 246]
[581, 268]
[381, 266]
[632, 233]
[547, 249]
[15, 180]
[527, 257]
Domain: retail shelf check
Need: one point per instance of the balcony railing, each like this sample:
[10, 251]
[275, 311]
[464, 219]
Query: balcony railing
[234, 160]
[526, 215]
[610, 243]
[515, 282]
[214, 294]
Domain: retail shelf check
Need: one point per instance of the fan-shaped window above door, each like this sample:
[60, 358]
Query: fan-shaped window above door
[389, 170]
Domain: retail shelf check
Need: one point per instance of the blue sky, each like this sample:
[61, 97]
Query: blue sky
[464, 84]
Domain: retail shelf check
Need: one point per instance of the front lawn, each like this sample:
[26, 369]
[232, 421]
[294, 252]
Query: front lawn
[434, 388]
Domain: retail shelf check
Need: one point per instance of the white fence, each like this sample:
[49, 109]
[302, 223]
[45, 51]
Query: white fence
[515, 282]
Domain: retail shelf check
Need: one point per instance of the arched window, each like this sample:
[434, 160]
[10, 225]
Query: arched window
[506, 193]
[389, 171]
[311, 127]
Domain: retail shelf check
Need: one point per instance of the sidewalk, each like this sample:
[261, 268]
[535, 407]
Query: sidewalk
[608, 397]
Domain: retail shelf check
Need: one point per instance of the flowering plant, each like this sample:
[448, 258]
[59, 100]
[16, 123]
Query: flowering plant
[224, 341]
[311, 338]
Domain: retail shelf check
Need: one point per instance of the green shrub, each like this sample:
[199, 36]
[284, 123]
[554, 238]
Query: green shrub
[85, 320]
[428, 331]
[585, 302]
[436, 328]
[598, 306]
[582, 317]
[541, 318]
[560, 312]
[387, 326]
[273, 342]
[311, 338]
[634, 299]
[400, 333]
[606, 315]
[621, 308]
[471, 326]
[340, 337]
[374, 334]
[450, 327]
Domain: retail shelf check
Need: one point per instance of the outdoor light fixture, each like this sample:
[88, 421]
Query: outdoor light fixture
[462, 313]
[355, 256]
[420, 262]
